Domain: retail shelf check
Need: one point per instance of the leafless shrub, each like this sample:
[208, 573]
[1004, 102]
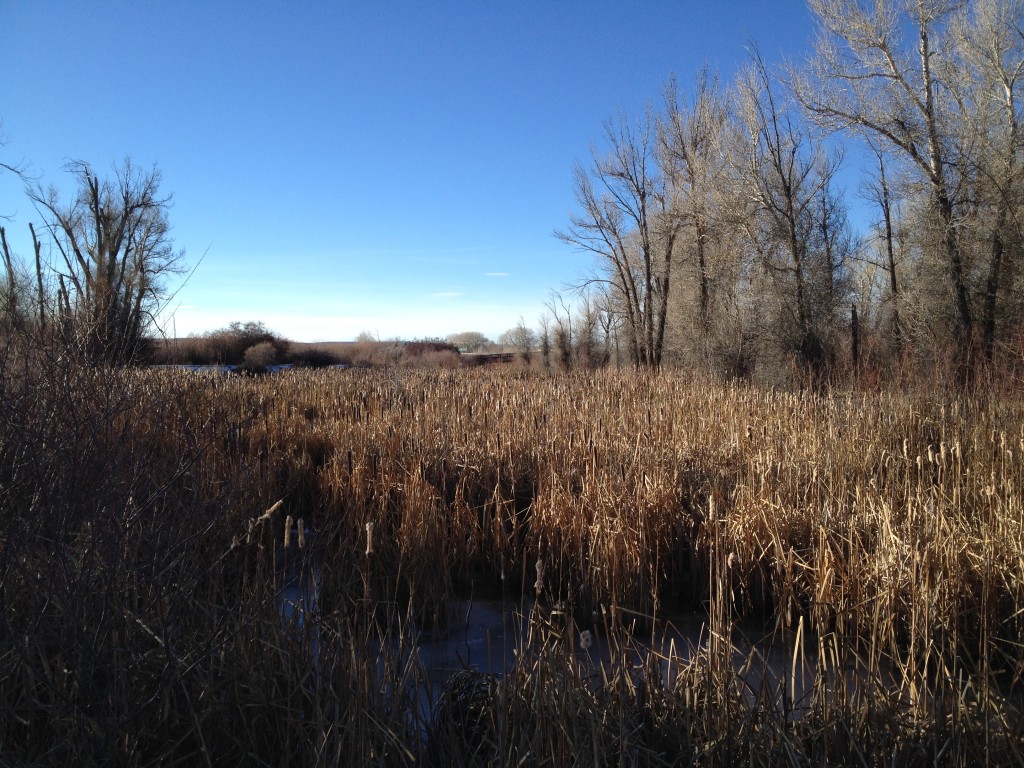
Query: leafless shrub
[261, 355]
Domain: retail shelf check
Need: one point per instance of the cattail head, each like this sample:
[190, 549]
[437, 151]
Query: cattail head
[539, 584]
[302, 534]
[287, 531]
[369, 539]
[270, 512]
[586, 639]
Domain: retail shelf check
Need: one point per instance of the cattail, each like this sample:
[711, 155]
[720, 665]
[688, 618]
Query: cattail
[369, 539]
[302, 534]
[287, 531]
[586, 639]
[270, 512]
[539, 584]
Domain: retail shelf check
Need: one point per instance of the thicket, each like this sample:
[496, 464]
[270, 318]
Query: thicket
[253, 345]
[225, 346]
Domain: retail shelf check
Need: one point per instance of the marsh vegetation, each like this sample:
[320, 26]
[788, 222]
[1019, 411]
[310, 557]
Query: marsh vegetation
[877, 536]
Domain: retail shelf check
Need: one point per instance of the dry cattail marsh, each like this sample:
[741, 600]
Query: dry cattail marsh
[143, 556]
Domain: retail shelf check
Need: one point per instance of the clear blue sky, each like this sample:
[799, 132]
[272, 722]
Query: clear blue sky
[391, 167]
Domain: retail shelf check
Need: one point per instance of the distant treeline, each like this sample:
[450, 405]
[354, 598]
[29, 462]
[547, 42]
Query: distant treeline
[252, 345]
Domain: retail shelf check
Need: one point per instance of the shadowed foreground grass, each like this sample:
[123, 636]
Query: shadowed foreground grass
[142, 558]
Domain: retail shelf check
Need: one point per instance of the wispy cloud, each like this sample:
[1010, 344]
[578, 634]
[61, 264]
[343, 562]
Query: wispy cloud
[446, 294]
[495, 274]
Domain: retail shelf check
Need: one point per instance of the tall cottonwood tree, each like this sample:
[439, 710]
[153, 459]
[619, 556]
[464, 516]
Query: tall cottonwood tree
[866, 78]
[699, 141]
[985, 75]
[879, 190]
[690, 141]
[628, 222]
[114, 250]
[798, 226]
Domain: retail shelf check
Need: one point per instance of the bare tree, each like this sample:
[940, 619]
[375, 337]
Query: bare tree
[879, 190]
[628, 223]
[609, 323]
[544, 339]
[469, 341]
[690, 142]
[12, 290]
[591, 342]
[115, 251]
[21, 304]
[562, 331]
[521, 339]
[798, 224]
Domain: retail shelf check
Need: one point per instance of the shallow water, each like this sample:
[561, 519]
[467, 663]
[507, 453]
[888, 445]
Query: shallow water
[481, 635]
[489, 635]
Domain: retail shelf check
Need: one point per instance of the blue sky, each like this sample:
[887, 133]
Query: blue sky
[338, 167]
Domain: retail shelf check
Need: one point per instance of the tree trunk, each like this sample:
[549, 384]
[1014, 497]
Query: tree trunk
[854, 340]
